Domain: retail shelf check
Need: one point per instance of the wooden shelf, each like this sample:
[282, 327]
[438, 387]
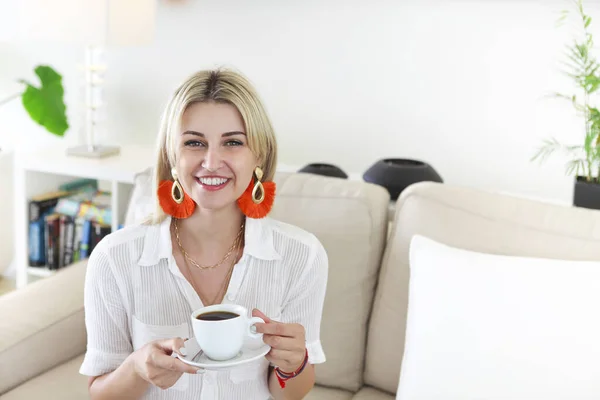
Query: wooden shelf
[121, 168]
[42, 272]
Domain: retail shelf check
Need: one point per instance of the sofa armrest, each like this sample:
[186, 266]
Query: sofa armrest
[41, 326]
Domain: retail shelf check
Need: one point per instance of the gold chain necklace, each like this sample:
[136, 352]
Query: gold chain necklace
[220, 293]
[199, 266]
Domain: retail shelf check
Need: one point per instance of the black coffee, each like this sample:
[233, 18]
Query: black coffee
[217, 316]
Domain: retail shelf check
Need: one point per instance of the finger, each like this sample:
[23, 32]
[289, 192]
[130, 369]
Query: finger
[283, 343]
[280, 329]
[257, 313]
[168, 346]
[173, 364]
[283, 355]
[286, 360]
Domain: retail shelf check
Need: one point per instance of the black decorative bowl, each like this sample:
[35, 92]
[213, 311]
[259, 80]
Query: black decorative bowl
[324, 169]
[396, 174]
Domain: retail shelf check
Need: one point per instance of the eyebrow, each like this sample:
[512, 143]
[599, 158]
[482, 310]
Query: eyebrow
[226, 134]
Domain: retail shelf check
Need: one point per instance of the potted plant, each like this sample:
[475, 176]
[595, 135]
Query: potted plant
[584, 159]
[45, 103]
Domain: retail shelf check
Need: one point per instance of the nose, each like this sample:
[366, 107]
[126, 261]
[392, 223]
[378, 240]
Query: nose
[213, 159]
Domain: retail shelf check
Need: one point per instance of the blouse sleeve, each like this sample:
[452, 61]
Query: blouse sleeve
[108, 335]
[304, 304]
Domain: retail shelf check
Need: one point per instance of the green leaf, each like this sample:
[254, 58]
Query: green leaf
[561, 19]
[575, 52]
[588, 21]
[575, 166]
[549, 147]
[592, 68]
[588, 143]
[594, 114]
[579, 64]
[45, 104]
[592, 83]
[557, 95]
[583, 51]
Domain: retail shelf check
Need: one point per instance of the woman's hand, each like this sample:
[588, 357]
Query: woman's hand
[155, 364]
[287, 341]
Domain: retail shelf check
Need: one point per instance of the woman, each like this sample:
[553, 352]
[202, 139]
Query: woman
[208, 242]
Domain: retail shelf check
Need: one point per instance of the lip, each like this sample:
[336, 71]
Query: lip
[213, 188]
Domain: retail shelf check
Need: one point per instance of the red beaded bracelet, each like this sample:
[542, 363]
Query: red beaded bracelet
[284, 376]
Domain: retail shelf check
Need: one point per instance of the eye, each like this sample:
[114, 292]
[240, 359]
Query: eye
[234, 143]
[193, 143]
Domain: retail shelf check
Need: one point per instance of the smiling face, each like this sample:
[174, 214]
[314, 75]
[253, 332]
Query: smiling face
[214, 162]
[214, 126]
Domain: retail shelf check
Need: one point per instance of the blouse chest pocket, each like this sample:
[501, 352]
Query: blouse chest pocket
[244, 373]
[252, 372]
[143, 333]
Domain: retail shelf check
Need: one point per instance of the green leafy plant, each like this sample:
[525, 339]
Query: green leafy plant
[45, 103]
[583, 69]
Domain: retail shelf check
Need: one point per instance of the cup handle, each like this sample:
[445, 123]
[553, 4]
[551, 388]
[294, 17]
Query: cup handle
[251, 329]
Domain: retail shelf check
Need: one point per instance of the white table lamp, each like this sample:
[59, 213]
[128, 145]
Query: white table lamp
[94, 24]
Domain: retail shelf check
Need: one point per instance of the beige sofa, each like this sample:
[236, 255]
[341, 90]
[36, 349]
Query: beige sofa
[42, 334]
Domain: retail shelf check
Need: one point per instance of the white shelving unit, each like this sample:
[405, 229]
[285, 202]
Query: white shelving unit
[41, 171]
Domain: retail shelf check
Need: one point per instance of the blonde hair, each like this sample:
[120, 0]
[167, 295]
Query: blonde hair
[221, 86]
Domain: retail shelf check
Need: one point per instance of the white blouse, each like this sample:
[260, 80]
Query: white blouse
[135, 293]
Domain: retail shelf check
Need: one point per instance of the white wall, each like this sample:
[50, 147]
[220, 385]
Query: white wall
[6, 211]
[459, 84]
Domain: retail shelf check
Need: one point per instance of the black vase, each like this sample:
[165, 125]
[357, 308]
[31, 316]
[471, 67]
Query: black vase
[586, 194]
[396, 174]
[324, 169]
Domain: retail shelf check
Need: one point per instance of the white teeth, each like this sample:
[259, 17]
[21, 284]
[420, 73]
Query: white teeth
[213, 181]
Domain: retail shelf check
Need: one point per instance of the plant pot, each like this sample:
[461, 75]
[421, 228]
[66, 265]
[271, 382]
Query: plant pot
[324, 169]
[586, 194]
[396, 174]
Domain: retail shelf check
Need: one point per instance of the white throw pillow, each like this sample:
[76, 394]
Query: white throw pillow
[492, 327]
[141, 202]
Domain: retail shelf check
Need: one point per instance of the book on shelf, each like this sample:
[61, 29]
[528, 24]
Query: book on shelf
[89, 204]
[40, 207]
[66, 225]
[79, 185]
[52, 237]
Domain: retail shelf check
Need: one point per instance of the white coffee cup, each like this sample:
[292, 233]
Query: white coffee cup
[223, 339]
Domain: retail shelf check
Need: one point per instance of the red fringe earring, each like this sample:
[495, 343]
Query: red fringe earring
[176, 205]
[258, 199]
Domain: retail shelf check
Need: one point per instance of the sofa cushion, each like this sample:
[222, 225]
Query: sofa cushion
[63, 382]
[141, 201]
[474, 220]
[323, 393]
[42, 326]
[350, 219]
[486, 326]
[369, 393]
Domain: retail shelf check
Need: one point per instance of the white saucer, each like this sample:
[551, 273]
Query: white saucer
[194, 356]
